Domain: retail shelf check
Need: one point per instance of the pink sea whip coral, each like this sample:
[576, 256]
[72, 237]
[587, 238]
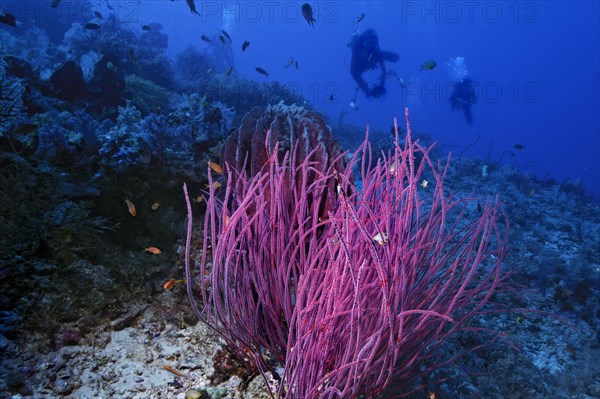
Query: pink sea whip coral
[352, 301]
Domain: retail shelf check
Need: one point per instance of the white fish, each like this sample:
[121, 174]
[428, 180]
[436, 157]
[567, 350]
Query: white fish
[380, 238]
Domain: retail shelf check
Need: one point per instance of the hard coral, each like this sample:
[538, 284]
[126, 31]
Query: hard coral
[68, 82]
[146, 95]
[288, 124]
[11, 99]
[191, 66]
[33, 45]
[285, 128]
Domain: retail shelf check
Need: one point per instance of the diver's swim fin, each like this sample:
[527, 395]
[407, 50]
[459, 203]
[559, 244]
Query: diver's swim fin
[389, 56]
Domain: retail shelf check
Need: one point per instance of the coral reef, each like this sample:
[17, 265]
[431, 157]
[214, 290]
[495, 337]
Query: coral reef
[196, 73]
[33, 45]
[111, 39]
[249, 145]
[191, 66]
[146, 96]
[106, 87]
[68, 139]
[150, 61]
[183, 136]
[11, 100]
[67, 82]
[285, 128]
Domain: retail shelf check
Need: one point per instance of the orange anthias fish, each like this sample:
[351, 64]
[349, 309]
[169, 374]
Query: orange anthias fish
[216, 167]
[169, 284]
[172, 283]
[153, 250]
[174, 371]
[130, 207]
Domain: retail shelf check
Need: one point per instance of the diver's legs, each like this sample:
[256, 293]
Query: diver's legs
[468, 115]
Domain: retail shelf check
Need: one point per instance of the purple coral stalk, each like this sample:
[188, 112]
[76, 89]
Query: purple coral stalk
[262, 232]
[354, 300]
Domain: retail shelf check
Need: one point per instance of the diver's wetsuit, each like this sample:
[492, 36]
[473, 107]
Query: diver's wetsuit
[367, 55]
[463, 95]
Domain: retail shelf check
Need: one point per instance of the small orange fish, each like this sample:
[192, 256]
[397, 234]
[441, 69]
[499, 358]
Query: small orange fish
[155, 206]
[153, 250]
[172, 283]
[216, 185]
[169, 284]
[172, 370]
[130, 207]
[199, 199]
[216, 167]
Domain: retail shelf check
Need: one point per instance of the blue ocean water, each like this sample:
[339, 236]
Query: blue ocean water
[535, 66]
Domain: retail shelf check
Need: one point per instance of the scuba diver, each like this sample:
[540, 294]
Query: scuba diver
[463, 90]
[463, 95]
[366, 55]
